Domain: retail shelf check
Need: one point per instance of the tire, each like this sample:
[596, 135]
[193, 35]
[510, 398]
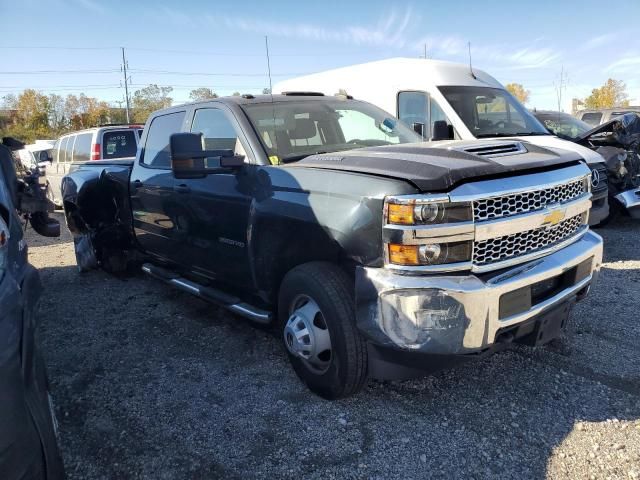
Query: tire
[345, 370]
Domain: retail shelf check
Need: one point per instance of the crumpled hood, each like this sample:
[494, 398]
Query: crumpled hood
[625, 129]
[435, 169]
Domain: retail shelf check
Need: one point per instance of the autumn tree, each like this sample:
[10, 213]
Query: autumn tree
[84, 112]
[236, 94]
[32, 115]
[518, 91]
[148, 100]
[202, 93]
[612, 94]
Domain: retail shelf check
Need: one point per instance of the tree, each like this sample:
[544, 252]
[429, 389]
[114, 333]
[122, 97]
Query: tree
[31, 119]
[266, 91]
[612, 94]
[518, 91]
[148, 100]
[84, 112]
[236, 94]
[202, 93]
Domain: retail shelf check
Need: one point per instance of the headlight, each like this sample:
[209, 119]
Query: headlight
[412, 211]
[430, 253]
[443, 232]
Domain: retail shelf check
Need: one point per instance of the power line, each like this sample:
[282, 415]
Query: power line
[39, 72]
[226, 74]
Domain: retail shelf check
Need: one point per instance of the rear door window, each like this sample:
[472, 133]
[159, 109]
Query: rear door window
[592, 118]
[156, 150]
[68, 149]
[82, 147]
[118, 144]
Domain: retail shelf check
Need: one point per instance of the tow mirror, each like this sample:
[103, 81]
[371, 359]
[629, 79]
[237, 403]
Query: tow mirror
[442, 131]
[190, 160]
[44, 225]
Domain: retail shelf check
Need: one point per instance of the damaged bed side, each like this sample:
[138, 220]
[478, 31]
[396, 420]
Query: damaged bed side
[102, 224]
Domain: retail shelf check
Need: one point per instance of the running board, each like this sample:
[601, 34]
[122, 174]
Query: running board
[218, 297]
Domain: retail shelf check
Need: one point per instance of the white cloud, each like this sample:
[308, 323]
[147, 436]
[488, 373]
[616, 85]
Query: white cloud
[391, 30]
[600, 40]
[624, 65]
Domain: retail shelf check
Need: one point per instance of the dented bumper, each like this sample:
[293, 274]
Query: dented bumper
[469, 314]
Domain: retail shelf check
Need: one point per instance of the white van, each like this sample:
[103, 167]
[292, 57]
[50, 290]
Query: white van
[447, 101]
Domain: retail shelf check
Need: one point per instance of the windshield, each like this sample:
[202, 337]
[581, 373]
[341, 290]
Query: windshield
[563, 125]
[491, 112]
[292, 130]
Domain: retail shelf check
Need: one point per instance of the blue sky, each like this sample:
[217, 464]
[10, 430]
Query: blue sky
[221, 44]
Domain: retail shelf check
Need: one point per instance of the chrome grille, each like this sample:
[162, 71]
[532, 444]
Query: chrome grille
[523, 243]
[507, 205]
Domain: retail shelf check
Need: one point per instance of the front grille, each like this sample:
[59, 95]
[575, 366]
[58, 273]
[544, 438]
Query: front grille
[514, 204]
[523, 243]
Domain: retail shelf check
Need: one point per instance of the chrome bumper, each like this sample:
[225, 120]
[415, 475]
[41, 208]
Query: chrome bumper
[460, 314]
[631, 201]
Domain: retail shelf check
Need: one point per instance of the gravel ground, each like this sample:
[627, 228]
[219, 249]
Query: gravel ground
[152, 383]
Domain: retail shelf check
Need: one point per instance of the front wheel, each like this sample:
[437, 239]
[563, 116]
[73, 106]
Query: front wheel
[317, 317]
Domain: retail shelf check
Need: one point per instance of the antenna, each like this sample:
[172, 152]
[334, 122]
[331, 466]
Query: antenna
[470, 66]
[273, 108]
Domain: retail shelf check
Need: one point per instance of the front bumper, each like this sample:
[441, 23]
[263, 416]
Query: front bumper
[631, 201]
[599, 207]
[465, 314]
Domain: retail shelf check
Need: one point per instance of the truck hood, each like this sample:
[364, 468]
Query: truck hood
[624, 130]
[436, 169]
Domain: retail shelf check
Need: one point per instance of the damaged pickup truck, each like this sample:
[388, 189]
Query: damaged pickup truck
[374, 255]
[618, 142]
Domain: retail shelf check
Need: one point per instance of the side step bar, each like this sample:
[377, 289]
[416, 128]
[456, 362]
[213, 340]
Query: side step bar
[227, 301]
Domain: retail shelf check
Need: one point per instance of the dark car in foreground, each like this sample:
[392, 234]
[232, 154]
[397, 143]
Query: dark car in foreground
[618, 142]
[28, 444]
[372, 253]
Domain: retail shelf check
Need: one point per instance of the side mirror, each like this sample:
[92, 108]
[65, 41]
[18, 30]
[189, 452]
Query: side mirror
[190, 160]
[418, 128]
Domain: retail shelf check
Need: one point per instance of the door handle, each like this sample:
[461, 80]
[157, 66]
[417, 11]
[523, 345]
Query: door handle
[182, 188]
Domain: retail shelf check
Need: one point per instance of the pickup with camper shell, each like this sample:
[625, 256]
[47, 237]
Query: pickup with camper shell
[446, 101]
[373, 253]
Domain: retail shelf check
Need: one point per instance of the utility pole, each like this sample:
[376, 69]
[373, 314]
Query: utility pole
[266, 45]
[425, 51]
[560, 86]
[126, 83]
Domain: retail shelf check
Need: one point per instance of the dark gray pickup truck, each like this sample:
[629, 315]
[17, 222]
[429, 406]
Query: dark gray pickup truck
[373, 254]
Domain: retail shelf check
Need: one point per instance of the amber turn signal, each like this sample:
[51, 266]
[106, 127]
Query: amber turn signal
[400, 214]
[403, 254]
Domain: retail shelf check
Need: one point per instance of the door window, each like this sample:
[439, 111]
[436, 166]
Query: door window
[156, 150]
[119, 144]
[412, 108]
[82, 147]
[219, 132]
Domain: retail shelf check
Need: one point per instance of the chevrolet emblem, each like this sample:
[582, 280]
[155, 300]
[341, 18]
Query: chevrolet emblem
[554, 218]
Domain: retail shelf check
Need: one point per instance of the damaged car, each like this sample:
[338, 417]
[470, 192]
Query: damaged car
[618, 141]
[28, 431]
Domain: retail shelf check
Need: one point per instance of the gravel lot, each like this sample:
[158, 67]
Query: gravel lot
[152, 383]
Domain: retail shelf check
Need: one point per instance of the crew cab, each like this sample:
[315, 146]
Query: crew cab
[373, 253]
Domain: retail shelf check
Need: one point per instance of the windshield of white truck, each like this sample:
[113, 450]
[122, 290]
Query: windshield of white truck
[292, 130]
[492, 112]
